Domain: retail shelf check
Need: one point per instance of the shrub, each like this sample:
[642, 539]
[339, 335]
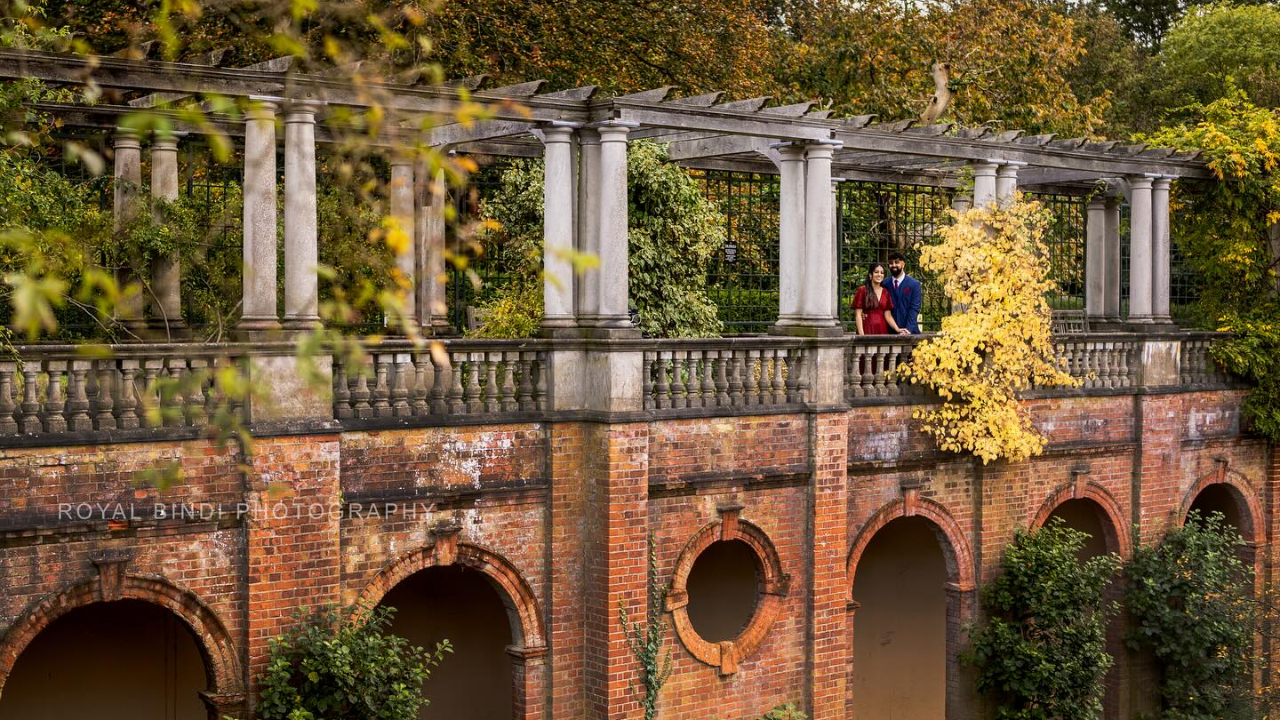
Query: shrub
[344, 665]
[1189, 599]
[1041, 652]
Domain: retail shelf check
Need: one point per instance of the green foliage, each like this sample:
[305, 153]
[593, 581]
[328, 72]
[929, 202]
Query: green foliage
[1189, 600]
[1041, 652]
[785, 712]
[1228, 233]
[1215, 47]
[673, 233]
[646, 639]
[336, 665]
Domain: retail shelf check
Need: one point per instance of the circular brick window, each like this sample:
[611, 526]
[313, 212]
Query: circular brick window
[726, 591]
[723, 588]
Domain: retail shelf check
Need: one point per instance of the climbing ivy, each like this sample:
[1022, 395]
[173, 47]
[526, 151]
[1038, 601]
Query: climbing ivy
[646, 639]
[992, 263]
[1229, 232]
[1040, 653]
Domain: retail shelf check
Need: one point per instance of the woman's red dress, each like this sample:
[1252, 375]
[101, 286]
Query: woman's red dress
[873, 322]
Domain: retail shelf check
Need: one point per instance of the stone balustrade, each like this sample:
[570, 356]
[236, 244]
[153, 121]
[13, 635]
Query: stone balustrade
[724, 373]
[55, 390]
[460, 378]
[127, 392]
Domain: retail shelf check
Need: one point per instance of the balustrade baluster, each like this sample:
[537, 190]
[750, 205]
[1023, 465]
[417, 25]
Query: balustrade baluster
[360, 395]
[441, 383]
[507, 395]
[492, 397]
[400, 388]
[892, 387]
[779, 383]
[77, 412]
[198, 380]
[473, 395]
[794, 361]
[382, 385]
[421, 390]
[104, 399]
[341, 390]
[169, 393]
[662, 396]
[8, 423]
[30, 399]
[736, 364]
[722, 381]
[707, 387]
[539, 368]
[128, 396]
[525, 389]
[680, 379]
[866, 371]
[54, 404]
[646, 380]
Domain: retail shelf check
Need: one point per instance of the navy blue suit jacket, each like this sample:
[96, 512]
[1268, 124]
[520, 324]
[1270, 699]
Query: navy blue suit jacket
[906, 302]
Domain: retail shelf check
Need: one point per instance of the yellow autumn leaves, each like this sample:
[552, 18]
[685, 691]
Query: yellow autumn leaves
[998, 344]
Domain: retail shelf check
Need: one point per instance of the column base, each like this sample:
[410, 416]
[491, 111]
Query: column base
[301, 324]
[177, 329]
[258, 329]
[439, 329]
[561, 332]
[802, 328]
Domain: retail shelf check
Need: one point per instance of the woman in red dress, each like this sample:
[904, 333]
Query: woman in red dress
[872, 305]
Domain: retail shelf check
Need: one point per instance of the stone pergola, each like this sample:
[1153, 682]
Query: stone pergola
[583, 140]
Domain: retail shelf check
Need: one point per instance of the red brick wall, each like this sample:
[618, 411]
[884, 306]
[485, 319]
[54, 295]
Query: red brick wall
[569, 507]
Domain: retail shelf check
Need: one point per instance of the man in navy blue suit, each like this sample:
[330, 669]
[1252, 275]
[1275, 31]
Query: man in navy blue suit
[905, 291]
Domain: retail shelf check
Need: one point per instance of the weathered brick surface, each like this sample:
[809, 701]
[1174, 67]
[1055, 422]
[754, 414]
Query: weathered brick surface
[560, 514]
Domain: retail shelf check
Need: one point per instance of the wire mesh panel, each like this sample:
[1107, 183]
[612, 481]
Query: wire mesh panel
[479, 272]
[1065, 241]
[875, 219]
[742, 279]
[1184, 286]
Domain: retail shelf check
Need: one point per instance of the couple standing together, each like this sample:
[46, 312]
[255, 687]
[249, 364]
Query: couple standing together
[884, 307]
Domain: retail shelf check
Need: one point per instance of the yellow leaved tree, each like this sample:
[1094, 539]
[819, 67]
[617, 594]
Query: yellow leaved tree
[999, 343]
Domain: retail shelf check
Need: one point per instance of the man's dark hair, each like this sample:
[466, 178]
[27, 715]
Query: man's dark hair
[895, 255]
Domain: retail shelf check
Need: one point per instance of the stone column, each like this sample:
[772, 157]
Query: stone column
[612, 214]
[961, 202]
[1006, 184]
[558, 229]
[588, 286]
[1111, 261]
[791, 234]
[126, 189]
[429, 235]
[1161, 281]
[166, 273]
[984, 184]
[401, 207]
[301, 243]
[1095, 255]
[818, 294]
[1140, 259]
[258, 311]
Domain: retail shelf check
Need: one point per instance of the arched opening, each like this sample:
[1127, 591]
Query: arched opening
[121, 660]
[724, 589]
[459, 604]
[1219, 498]
[1087, 516]
[900, 625]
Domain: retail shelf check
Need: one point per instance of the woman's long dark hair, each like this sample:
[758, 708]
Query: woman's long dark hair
[869, 301]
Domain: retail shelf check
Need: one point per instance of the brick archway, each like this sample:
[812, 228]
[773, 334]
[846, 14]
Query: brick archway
[1116, 539]
[960, 589]
[955, 547]
[1241, 491]
[225, 694]
[528, 649]
[774, 584]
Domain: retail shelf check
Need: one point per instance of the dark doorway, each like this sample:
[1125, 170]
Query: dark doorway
[461, 605]
[900, 626]
[122, 660]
